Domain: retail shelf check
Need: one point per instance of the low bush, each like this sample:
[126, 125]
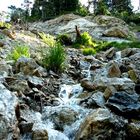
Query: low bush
[88, 51]
[19, 51]
[84, 40]
[54, 58]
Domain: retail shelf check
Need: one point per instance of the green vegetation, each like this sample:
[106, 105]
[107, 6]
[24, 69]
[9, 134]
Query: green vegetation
[5, 25]
[54, 58]
[19, 51]
[64, 39]
[88, 51]
[102, 46]
[84, 40]
[82, 11]
[48, 39]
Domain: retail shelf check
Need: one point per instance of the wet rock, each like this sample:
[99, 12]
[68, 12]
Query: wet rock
[100, 125]
[109, 91]
[56, 135]
[8, 102]
[113, 70]
[25, 127]
[85, 83]
[133, 130]
[109, 53]
[125, 104]
[133, 75]
[35, 82]
[135, 59]
[120, 84]
[94, 101]
[26, 65]
[60, 116]
[40, 134]
[128, 52]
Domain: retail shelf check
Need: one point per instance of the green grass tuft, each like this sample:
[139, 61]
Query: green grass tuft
[54, 58]
[18, 52]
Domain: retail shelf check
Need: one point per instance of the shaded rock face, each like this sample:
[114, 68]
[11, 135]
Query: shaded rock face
[133, 130]
[8, 101]
[125, 104]
[100, 125]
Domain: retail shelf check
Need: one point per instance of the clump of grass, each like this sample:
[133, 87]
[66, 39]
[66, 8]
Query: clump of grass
[88, 51]
[48, 39]
[54, 58]
[19, 51]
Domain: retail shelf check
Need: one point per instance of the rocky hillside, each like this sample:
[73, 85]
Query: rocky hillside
[96, 96]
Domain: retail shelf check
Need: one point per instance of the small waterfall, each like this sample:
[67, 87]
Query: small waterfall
[68, 93]
[87, 72]
[118, 57]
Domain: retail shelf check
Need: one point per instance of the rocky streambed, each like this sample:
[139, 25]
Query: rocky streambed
[96, 97]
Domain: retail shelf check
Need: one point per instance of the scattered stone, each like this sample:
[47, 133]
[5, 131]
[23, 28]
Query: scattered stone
[109, 53]
[85, 83]
[114, 70]
[109, 91]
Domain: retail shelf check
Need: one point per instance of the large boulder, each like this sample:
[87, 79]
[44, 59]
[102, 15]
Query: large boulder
[120, 32]
[100, 124]
[108, 20]
[125, 104]
[8, 102]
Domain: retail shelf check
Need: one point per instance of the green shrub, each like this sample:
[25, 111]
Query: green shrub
[48, 39]
[64, 39]
[82, 11]
[6, 25]
[85, 40]
[18, 52]
[54, 58]
[102, 46]
[88, 51]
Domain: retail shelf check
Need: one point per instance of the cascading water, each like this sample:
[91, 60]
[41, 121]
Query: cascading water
[118, 56]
